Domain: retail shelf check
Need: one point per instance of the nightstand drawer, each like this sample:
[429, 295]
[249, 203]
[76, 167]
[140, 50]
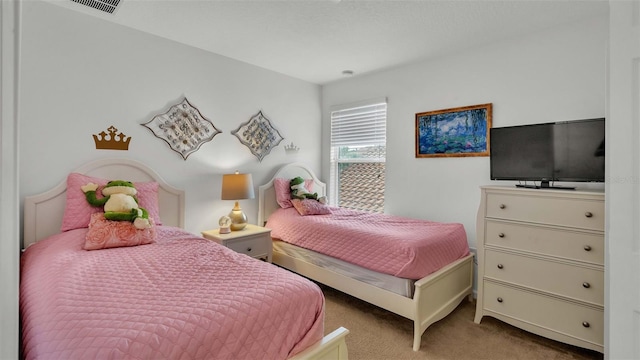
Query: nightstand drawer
[254, 247]
[563, 279]
[578, 213]
[566, 244]
[253, 240]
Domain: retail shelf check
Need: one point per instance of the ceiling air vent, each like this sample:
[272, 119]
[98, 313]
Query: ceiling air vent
[108, 6]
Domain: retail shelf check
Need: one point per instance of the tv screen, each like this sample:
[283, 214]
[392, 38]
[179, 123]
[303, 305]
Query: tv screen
[570, 151]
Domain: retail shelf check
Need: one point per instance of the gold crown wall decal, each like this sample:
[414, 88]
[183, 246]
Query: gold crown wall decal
[112, 140]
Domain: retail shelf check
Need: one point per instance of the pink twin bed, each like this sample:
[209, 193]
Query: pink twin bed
[177, 297]
[415, 268]
[398, 246]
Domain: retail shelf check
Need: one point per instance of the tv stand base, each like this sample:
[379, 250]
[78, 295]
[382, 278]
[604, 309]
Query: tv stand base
[545, 186]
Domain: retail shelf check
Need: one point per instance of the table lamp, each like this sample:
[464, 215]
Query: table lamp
[237, 187]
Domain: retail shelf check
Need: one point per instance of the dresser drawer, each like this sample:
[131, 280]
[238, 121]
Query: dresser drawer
[563, 279]
[573, 212]
[255, 246]
[550, 314]
[566, 244]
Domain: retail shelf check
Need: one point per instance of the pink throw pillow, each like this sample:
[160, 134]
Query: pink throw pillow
[77, 211]
[310, 207]
[283, 191]
[104, 234]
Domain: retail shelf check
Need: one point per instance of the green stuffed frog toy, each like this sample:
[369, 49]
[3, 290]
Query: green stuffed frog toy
[299, 191]
[119, 201]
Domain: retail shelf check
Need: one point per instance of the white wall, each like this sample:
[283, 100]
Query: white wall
[550, 76]
[9, 185]
[81, 74]
[622, 254]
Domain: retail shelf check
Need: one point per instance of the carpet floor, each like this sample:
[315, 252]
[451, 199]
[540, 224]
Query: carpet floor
[379, 334]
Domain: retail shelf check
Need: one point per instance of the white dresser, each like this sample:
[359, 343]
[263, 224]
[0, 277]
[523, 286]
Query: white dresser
[541, 262]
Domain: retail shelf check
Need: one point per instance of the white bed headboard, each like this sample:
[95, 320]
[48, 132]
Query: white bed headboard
[267, 195]
[43, 212]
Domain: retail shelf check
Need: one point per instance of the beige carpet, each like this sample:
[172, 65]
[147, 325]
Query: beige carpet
[379, 334]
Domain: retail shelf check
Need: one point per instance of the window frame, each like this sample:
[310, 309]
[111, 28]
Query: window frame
[335, 161]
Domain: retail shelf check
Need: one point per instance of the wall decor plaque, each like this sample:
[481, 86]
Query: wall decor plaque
[183, 128]
[259, 135]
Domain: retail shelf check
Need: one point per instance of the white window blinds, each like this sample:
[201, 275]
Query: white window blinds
[363, 125]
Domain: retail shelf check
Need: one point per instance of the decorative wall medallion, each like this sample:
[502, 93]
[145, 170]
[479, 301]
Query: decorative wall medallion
[111, 141]
[183, 128]
[258, 135]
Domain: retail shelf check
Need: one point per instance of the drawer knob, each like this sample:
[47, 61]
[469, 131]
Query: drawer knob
[587, 248]
[502, 206]
[586, 324]
[588, 214]
[500, 266]
[249, 249]
[500, 300]
[501, 235]
[586, 285]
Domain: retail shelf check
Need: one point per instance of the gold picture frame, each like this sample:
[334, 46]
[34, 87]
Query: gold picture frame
[456, 132]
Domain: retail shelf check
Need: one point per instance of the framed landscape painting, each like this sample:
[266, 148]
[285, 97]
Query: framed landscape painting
[462, 131]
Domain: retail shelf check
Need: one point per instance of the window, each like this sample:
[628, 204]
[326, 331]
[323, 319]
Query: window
[358, 153]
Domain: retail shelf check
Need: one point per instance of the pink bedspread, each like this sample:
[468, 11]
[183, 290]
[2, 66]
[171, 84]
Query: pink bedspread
[181, 298]
[403, 247]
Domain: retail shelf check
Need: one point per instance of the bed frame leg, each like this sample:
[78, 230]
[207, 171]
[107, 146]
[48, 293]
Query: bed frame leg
[416, 342]
[417, 335]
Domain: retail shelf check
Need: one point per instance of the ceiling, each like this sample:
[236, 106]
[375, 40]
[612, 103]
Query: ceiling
[316, 40]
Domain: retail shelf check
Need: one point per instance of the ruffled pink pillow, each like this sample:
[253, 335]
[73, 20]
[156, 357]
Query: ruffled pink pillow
[104, 234]
[310, 207]
[77, 211]
[283, 191]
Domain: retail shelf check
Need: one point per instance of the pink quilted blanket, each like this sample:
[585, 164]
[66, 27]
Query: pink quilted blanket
[403, 247]
[181, 298]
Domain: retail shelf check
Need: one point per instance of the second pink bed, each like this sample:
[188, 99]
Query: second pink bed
[399, 246]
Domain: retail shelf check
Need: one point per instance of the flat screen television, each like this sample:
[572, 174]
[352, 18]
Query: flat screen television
[569, 151]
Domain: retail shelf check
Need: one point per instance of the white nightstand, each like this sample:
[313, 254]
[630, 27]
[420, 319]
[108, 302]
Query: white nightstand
[253, 240]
